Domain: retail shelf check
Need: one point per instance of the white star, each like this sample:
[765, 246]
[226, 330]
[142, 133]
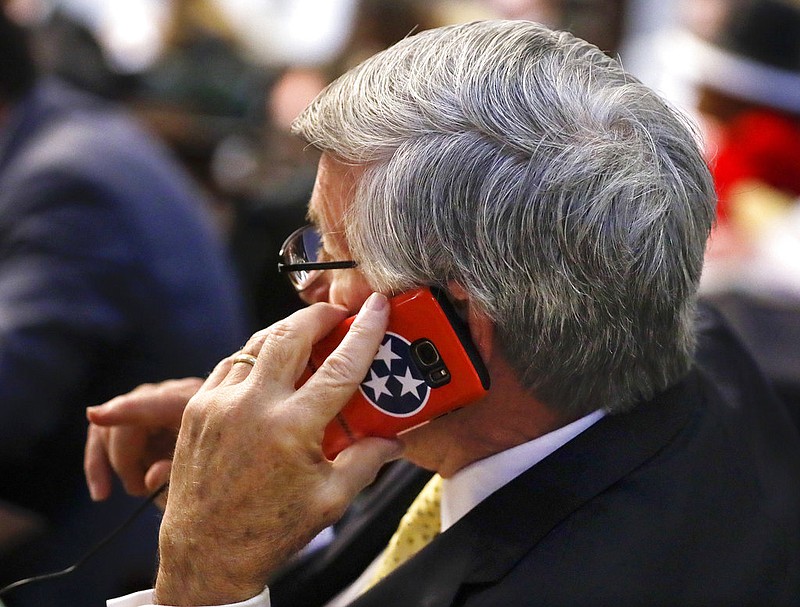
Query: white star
[408, 382]
[386, 354]
[377, 384]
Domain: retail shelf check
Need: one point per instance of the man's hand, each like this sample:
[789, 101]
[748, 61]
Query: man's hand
[134, 435]
[250, 485]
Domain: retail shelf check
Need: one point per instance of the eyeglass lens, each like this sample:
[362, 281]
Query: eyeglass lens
[303, 246]
[311, 244]
[302, 249]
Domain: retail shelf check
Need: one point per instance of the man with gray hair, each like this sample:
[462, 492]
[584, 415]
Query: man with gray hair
[627, 451]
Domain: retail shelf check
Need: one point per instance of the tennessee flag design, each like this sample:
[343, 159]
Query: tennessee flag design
[394, 384]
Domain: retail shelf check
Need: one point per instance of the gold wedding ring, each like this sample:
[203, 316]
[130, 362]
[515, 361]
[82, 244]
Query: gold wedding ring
[247, 359]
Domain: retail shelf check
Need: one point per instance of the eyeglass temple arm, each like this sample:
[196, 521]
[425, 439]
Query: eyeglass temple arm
[283, 268]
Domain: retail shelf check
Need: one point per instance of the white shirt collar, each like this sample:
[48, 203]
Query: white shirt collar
[471, 485]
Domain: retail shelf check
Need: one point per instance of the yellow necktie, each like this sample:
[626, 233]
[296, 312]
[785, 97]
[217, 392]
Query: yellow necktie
[420, 524]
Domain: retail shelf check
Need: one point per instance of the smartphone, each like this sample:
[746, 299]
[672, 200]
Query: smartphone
[426, 366]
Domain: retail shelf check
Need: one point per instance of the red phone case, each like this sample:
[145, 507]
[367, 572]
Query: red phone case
[406, 385]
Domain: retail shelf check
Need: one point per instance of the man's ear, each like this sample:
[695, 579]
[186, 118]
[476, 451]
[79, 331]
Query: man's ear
[481, 327]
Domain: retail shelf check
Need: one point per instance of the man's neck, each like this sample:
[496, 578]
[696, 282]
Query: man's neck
[506, 417]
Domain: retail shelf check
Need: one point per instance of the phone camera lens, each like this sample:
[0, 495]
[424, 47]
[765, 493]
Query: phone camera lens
[426, 353]
[428, 360]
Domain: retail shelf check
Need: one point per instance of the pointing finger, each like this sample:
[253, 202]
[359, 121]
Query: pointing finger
[148, 405]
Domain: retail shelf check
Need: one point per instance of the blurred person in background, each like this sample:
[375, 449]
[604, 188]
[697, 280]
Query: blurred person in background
[745, 70]
[183, 69]
[747, 73]
[734, 67]
[112, 274]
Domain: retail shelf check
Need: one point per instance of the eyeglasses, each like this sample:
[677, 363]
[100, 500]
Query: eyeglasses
[300, 258]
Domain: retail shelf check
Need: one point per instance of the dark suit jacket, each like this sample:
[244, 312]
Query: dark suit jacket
[111, 274]
[693, 498]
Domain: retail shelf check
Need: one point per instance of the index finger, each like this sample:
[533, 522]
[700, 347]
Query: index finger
[332, 385]
[148, 405]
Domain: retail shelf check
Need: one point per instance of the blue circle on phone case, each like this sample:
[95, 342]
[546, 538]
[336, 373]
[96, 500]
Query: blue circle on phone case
[393, 384]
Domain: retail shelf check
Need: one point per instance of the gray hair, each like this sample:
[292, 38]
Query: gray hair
[568, 199]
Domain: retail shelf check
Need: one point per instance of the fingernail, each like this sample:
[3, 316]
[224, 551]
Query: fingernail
[376, 302]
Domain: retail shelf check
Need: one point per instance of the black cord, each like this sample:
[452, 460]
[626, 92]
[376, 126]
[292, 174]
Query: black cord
[92, 551]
